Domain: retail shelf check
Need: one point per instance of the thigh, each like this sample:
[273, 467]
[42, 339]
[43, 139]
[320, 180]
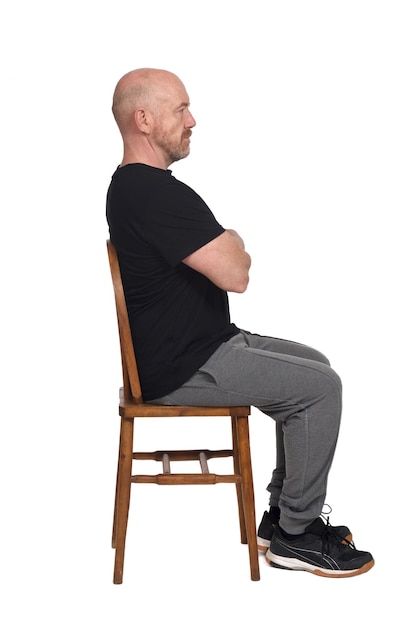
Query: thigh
[272, 380]
[283, 346]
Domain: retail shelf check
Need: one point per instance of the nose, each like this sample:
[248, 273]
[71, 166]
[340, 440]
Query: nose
[190, 121]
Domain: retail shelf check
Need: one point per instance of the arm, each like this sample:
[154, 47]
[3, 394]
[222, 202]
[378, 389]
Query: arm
[224, 261]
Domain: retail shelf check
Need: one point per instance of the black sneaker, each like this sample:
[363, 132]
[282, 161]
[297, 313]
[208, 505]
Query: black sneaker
[266, 530]
[319, 551]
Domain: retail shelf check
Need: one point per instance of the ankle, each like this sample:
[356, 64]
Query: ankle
[289, 536]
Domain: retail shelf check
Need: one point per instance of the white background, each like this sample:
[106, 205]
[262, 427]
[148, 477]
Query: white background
[306, 145]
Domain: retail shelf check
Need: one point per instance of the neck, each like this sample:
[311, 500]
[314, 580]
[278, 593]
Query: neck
[143, 154]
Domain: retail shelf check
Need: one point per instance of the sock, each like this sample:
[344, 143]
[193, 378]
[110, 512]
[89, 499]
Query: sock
[288, 535]
[274, 513]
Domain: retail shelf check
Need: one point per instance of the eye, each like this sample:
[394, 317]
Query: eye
[183, 109]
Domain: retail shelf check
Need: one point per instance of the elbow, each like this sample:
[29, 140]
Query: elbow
[240, 285]
[241, 281]
[243, 286]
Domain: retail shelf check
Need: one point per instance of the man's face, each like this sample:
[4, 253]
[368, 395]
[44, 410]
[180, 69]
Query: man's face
[173, 124]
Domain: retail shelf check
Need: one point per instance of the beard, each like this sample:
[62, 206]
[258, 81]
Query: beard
[175, 150]
[180, 152]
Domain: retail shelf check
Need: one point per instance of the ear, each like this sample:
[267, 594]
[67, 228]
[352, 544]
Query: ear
[143, 120]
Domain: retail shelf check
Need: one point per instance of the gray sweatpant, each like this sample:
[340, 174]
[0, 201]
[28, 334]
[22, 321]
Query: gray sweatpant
[293, 384]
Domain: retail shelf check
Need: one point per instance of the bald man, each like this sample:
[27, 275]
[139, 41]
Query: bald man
[178, 263]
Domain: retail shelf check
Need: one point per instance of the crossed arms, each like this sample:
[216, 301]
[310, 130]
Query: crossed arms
[224, 261]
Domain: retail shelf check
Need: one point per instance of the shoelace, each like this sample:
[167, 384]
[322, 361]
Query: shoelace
[325, 516]
[329, 536]
[324, 513]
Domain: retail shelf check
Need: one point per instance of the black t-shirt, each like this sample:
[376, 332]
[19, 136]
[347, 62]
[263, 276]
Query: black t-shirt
[178, 316]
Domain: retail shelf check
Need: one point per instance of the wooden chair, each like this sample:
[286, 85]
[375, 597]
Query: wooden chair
[131, 406]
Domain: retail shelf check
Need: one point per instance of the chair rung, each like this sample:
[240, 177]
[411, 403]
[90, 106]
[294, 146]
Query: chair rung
[186, 479]
[168, 478]
[203, 463]
[166, 464]
[181, 455]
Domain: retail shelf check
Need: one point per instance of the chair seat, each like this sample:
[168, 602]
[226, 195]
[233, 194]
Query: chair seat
[137, 408]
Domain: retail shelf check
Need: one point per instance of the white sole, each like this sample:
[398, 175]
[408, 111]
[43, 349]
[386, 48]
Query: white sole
[297, 564]
[263, 544]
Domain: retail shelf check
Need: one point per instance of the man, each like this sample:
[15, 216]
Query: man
[177, 264]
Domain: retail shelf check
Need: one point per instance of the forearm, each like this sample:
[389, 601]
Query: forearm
[224, 261]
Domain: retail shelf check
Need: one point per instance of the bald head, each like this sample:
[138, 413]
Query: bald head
[151, 108]
[147, 88]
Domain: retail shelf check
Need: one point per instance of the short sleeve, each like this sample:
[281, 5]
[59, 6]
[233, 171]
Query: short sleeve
[179, 222]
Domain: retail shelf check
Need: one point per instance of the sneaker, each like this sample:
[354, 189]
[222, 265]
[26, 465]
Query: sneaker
[267, 525]
[319, 551]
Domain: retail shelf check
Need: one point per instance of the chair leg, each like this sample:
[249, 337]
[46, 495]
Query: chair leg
[116, 497]
[248, 495]
[123, 496]
[239, 493]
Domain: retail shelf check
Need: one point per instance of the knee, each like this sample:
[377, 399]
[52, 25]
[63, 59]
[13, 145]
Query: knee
[324, 359]
[326, 380]
[320, 357]
[334, 380]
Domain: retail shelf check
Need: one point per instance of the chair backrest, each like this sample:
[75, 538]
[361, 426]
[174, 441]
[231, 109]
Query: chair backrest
[131, 382]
